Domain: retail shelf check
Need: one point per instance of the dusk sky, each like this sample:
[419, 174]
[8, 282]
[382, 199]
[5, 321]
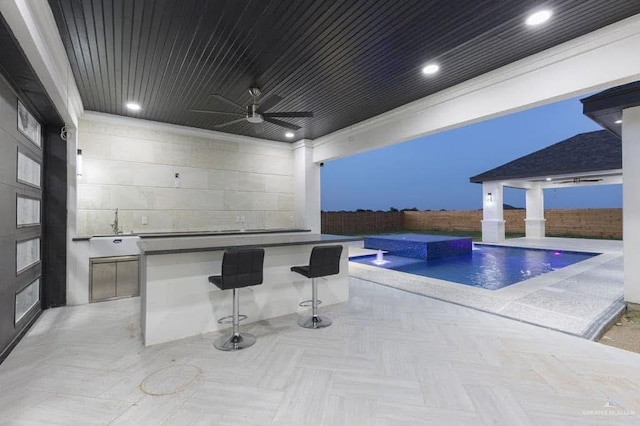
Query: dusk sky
[433, 172]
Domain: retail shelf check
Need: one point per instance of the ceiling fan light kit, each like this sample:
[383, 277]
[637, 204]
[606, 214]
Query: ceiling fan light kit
[253, 116]
[256, 112]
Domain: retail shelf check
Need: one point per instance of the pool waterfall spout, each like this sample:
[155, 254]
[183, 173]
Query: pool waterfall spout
[380, 259]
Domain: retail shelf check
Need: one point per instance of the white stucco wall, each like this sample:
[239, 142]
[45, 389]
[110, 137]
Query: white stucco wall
[306, 175]
[631, 203]
[493, 225]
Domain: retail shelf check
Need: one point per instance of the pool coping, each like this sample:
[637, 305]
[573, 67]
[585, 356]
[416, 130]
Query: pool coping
[356, 258]
[573, 300]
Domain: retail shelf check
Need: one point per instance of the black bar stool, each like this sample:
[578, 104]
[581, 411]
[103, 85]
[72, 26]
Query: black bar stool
[324, 261]
[240, 268]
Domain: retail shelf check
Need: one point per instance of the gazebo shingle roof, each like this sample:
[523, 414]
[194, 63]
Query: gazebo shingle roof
[586, 152]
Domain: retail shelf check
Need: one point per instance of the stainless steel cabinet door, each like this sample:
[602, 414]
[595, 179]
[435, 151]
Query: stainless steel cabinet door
[103, 281]
[127, 278]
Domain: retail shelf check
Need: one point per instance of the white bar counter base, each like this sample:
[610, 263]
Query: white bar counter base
[177, 300]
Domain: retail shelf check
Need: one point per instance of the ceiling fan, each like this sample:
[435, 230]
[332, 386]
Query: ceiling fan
[257, 112]
[580, 180]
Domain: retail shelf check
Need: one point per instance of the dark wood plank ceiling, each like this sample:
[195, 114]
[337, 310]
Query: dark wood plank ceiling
[344, 60]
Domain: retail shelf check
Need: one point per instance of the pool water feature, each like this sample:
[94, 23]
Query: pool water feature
[379, 259]
[487, 266]
[419, 246]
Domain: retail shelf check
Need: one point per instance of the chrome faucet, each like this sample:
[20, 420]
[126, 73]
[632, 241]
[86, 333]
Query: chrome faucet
[114, 225]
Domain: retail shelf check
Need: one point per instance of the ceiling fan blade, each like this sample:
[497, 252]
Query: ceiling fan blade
[206, 111]
[580, 180]
[288, 114]
[269, 103]
[281, 123]
[229, 123]
[228, 101]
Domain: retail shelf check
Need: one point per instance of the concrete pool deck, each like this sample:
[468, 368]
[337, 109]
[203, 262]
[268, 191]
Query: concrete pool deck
[581, 299]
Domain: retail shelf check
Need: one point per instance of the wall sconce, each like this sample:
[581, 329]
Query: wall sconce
[79, 162]
[489, 197]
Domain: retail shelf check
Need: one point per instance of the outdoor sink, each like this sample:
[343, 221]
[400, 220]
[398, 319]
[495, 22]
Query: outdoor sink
[114, 245]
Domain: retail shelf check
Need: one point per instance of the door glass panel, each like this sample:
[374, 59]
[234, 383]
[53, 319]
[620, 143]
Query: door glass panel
[26, 299]
[28, 170]
[27, 211]
[27, 253]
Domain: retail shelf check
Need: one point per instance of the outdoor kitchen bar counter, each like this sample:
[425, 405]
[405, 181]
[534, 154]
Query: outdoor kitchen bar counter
[177, 300]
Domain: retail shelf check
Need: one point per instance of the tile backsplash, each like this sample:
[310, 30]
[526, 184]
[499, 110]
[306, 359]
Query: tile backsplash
[220, 184]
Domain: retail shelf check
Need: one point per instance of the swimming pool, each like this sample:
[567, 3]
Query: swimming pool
[489, 267]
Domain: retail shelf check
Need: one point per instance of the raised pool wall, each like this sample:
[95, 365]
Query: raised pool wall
[419, 246]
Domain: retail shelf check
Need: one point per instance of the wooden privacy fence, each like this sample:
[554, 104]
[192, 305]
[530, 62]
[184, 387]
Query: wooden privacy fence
[603, 223]
[599, 223]
[351, 223]
[469, 221]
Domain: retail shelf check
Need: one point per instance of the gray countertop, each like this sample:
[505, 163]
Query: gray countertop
[148, 235]
[172, 245]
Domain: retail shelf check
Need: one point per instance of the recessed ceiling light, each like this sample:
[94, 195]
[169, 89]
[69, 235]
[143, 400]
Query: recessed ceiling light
[618, 121]
[133, 106]
[548, 179]
[431, 69]
[289, 134]
[538, 18]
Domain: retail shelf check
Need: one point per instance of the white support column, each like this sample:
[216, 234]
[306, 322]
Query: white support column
[535, 221]
[306, 191]
[631, 202]
[492, 216]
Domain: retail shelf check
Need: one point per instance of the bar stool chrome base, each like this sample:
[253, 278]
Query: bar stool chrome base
[314, 322]
[324, 261]
[234, 342]
[240, 268]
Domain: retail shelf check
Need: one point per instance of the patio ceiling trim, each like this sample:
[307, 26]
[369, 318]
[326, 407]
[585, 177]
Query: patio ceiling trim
[605, 108]
[569, 180]
[596, 61]
[35, 29]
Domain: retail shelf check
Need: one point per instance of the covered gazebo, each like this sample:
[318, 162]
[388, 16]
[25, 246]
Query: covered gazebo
[593, 158]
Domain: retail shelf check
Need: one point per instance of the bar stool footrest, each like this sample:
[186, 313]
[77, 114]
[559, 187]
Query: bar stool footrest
[229, 319]
[307, 303]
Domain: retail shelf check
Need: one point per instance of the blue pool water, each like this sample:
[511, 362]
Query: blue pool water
[490, 267]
